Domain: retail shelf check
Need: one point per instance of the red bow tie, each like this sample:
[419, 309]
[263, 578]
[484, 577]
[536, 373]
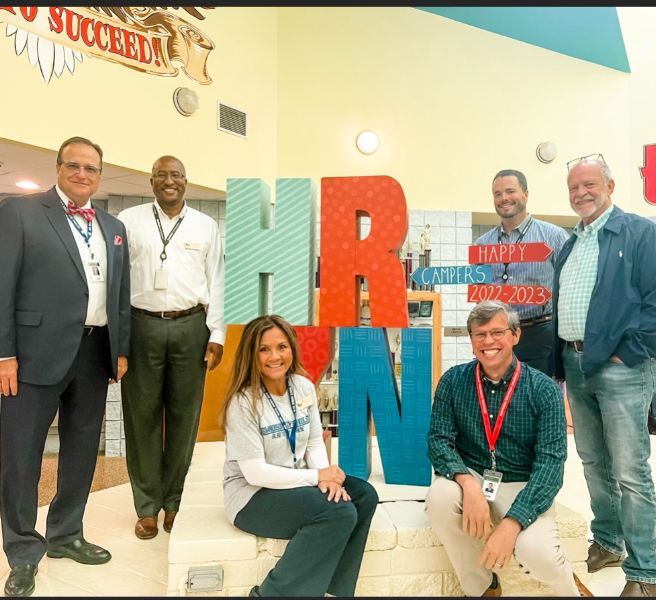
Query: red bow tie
[74, 209]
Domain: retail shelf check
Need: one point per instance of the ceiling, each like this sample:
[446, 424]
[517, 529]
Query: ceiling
[591, 33]
[20, 161]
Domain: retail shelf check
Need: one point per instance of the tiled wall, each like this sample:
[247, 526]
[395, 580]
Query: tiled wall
[450, 237]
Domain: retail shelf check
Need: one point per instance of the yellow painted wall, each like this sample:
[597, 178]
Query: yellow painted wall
[638, 26]
[452, 104]
[131, 114]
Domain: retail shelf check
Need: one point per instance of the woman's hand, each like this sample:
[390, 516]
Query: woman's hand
[332, 473]
[335, 491]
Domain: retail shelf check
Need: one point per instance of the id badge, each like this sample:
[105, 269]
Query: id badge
[305, 403]
[491, 482]
[96, 272]
[161, 279]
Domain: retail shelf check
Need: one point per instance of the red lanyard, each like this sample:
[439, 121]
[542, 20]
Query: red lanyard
[493, 436]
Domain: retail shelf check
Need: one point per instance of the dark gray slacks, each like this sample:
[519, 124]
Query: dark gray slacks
[327, 539]
[24, 422]
[162, 394]
[535, 347]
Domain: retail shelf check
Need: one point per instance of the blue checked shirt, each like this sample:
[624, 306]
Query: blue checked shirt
[577, 279]
[529, 273]
[531, 447]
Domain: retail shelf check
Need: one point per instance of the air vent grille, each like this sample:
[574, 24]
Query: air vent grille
[232, 120]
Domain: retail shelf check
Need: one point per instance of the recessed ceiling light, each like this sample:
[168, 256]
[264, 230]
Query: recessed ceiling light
[27, 185]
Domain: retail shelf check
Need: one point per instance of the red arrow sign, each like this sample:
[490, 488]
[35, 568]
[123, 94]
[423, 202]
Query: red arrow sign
[509, 253]
[510, 294]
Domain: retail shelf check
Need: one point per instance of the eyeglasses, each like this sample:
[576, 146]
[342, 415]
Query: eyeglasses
[73, 167]
[175, 175]
[496, 334]
[591, 158]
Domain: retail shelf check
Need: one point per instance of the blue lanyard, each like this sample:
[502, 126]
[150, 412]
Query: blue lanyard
[290, 432]
[86, 236]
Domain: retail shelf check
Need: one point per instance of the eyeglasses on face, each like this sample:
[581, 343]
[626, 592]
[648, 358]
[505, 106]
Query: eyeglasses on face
[496, 334]
[590, 158]
[162, 175]
[73, 167]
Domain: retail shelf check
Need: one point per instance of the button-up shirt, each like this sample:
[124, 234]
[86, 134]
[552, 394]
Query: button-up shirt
[531, 447]
[97, 305]
[194, 263]
[529, 273]
[577, 279]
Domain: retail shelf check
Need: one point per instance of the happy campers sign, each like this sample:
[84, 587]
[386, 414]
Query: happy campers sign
[147, 39]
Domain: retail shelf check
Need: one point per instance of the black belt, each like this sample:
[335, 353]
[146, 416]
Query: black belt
[535, 320]
[170, 314]
[576, 344]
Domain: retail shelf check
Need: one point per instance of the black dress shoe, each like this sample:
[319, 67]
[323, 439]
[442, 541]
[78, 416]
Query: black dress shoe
[21, 580]
[80, 551]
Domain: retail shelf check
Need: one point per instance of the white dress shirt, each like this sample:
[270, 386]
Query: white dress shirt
[97, 306]
[194, 263]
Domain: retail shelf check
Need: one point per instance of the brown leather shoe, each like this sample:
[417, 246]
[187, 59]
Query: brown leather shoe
[599, 558]
[639, 589]
[169, 518]
[584, 591]
[146, 528]
[494, 589]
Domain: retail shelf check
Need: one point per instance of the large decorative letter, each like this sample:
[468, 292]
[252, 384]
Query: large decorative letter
[345, 258]
[367, 385]
[648, 173]
[317, 348]
[254, 249]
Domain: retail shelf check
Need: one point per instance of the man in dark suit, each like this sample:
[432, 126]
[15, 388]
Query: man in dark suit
[64, 335]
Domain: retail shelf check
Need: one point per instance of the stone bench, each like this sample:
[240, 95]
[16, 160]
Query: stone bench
[403, 557]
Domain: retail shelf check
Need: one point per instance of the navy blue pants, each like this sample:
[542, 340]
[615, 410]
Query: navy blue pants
[326, 539]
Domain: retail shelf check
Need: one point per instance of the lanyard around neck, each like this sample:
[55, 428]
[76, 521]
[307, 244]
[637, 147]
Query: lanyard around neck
[85, 236]
[493, 436]
[167, 239]
[290, 430]
[519, 239]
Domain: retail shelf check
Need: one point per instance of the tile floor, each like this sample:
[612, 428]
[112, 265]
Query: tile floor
[140, 568]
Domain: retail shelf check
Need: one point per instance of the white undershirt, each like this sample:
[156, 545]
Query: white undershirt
[97, 305]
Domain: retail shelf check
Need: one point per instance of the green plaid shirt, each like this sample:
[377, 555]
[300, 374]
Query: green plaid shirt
[577, 279]
[532, 445]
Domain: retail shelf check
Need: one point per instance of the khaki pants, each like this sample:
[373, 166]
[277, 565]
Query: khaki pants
[538, 550]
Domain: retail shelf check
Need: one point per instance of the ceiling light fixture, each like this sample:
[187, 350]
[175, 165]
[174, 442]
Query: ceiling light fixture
[27, 185]
[367, 142]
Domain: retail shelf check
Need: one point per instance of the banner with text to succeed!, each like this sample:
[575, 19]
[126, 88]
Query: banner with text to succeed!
[148, 41]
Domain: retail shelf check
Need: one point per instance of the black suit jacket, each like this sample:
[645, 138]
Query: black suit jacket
[43, 289]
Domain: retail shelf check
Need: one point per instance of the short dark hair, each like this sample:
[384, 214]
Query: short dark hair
[513, 173]
[79, 140]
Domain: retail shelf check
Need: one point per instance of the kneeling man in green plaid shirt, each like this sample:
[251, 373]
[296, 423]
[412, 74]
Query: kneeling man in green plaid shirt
[497, 442]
